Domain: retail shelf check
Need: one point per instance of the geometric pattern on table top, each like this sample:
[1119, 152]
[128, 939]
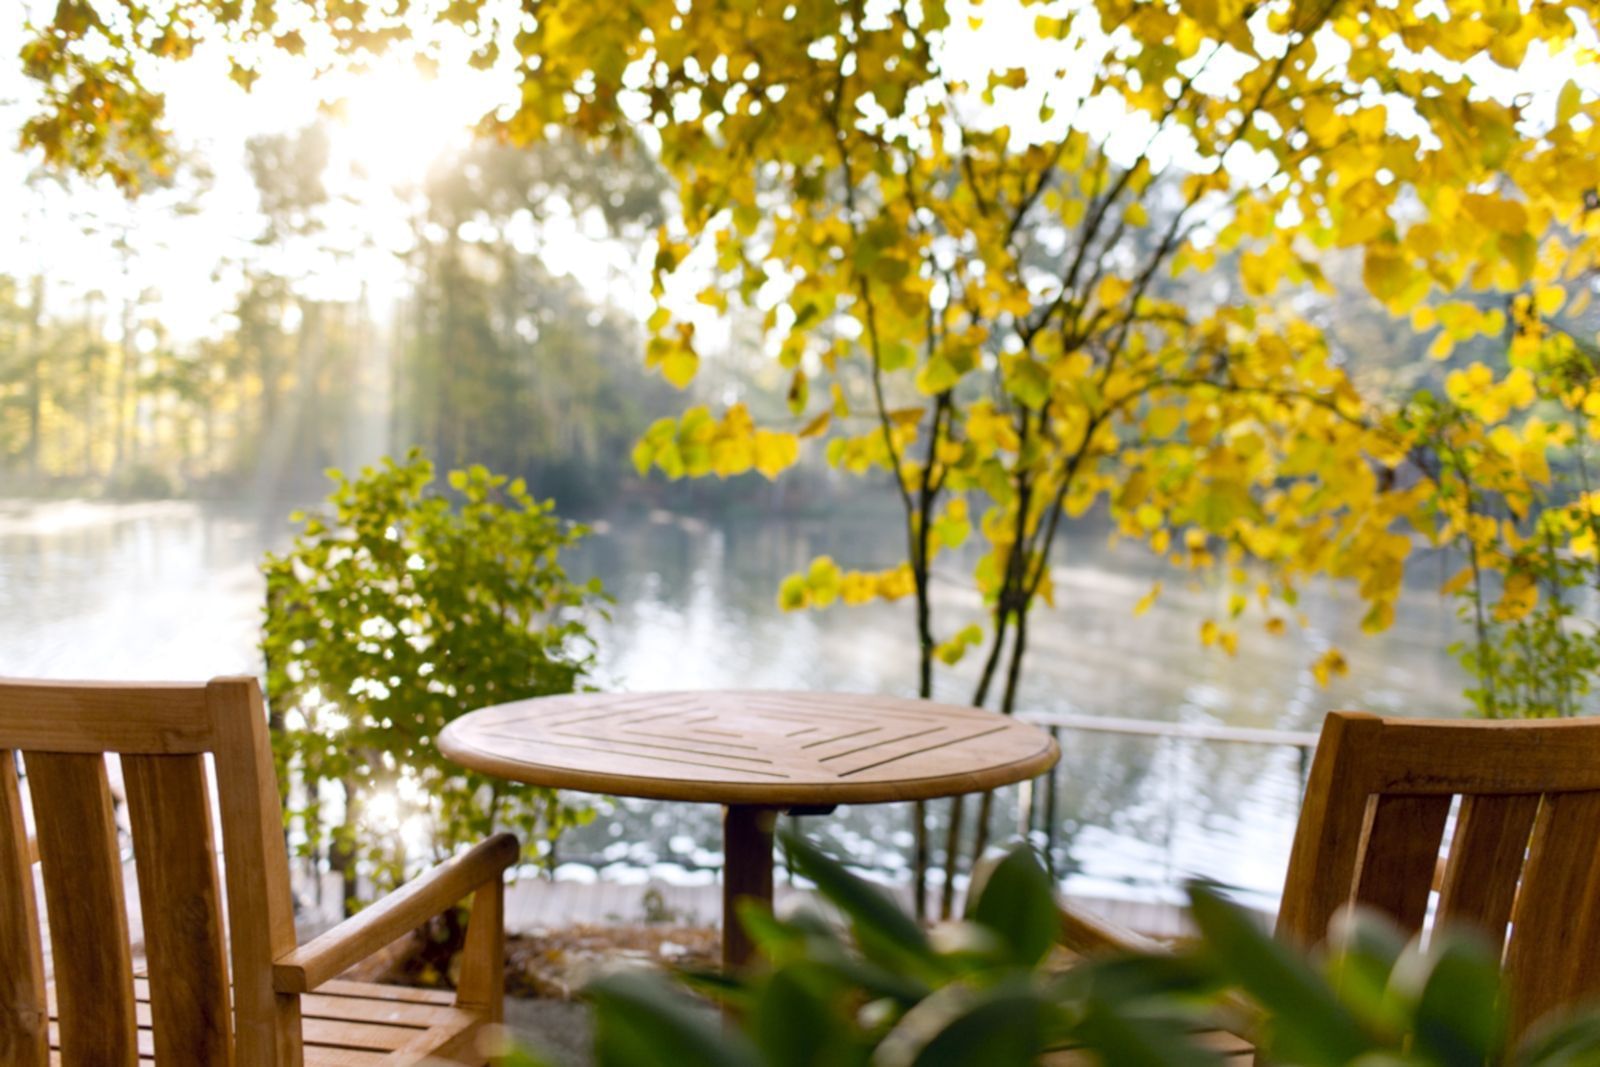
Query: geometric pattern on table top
[752, 736]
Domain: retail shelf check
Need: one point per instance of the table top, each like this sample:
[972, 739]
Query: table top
[749, 746]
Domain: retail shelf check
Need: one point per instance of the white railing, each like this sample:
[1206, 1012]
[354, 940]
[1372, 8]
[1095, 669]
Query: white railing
[1303, 741]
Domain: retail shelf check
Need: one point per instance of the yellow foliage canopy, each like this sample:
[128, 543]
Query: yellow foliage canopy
[1003, 299]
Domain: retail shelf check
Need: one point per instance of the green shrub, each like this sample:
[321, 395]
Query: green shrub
[987, 992]
[385, 620]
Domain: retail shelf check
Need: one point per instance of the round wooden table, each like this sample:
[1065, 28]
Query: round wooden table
[755, 752]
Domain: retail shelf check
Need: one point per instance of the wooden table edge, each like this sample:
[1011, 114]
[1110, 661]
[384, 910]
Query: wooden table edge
[754, 794]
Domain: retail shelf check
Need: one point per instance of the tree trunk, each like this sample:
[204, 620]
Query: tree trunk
[123, 395]
[1008, 705]
[919, 813]
[342, 856]
[952, 851]
[93, 338]
[36, 363]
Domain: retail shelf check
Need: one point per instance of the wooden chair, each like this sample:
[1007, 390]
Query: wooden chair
[1522, 866]
[284, 1005]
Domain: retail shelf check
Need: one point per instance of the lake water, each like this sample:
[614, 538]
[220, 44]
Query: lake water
[171, 590]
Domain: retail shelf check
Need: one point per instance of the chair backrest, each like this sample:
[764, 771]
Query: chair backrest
[1522, 865]
[162, 735]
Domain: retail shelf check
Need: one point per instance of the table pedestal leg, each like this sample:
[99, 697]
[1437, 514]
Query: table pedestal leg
[746, 872]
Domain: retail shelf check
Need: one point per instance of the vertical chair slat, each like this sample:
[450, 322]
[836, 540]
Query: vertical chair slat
[1584, 945]
[1399, 853]
[260, 909]
[1329, 836]
[170, 811]
[1556, 884]
[23, 1034]
[88, 921]
[1485, 863]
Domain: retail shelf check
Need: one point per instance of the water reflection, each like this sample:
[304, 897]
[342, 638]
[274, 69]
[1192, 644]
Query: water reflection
[171, 591]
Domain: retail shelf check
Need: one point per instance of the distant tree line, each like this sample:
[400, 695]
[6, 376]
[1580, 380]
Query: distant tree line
[491, 356]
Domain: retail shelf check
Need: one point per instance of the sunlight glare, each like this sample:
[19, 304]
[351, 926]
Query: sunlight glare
[395, 121]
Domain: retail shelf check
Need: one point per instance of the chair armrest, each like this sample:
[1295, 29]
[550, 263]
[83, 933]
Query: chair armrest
[1089, 935]
[402, 911]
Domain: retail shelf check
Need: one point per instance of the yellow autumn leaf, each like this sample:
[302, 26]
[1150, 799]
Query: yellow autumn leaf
[1329, 665]
[680, 365]
[857, 588]
[731, 455]
[952, 651]
[643, 456]
[1568, 102]
[905, 416]
[775, 452]
[1550, 299]
[1386, 273]
[1518, 597]
[1047, 587]
[1379, 617]
[897, 582]
[792, 594]
[1112, 291]
[818, 425]
[1458, 582]
[822, 581]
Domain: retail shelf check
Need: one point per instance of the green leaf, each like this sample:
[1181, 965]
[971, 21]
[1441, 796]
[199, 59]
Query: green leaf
[1522, 250]
[896, 355]
[883, 930]
[796, 1025]
[1309, 1026]
[937, 375]
[958, 1026]
[1017, 901]
[725, 989]
[1029, 382]
[1125, 979]
[641, 1021]
[1455, 987]
[1129, 1040]
[1366, 947]
[773, 937]
[398, 582]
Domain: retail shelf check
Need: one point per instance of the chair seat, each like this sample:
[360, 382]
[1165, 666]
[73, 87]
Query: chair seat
[346, 1024]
